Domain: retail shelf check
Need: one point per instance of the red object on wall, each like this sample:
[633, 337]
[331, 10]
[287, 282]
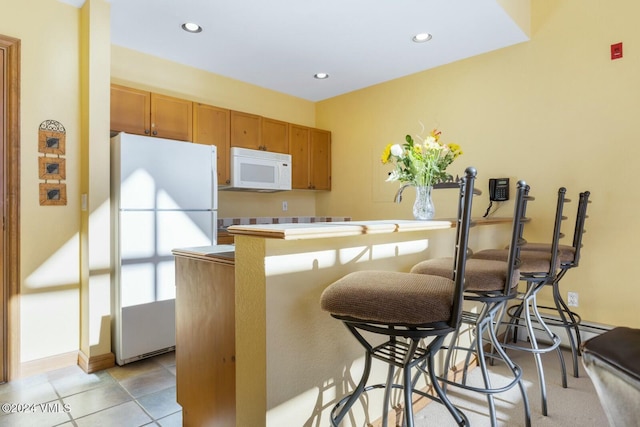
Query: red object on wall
[616, 51]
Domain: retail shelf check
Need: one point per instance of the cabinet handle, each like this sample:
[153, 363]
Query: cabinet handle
[228, 181]
[146, 131]
[155, 132]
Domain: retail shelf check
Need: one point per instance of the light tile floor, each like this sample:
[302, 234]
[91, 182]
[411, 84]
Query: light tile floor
[141, 393]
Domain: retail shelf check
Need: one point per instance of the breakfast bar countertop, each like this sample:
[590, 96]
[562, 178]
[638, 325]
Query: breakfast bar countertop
[319, 230]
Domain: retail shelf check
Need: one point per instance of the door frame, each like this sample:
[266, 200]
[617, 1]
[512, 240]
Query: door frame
[10, 357]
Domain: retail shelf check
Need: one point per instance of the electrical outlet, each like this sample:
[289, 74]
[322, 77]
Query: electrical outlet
[285, 206]
[572, 299]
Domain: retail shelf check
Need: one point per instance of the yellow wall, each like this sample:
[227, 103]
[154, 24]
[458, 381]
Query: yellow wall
[555, 111]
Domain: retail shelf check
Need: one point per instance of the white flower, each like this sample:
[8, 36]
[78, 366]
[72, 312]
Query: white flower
[430, 143]
[396, 150]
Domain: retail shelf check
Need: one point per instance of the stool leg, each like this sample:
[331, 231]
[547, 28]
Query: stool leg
[514, 322]
[515, 369]
[457, 415]
[571, 325]
[531, 307]
[387, 395]
[408, 388]
[449, 356]
[336, 420]
[479, 330]
[554, 338]
[536, 353]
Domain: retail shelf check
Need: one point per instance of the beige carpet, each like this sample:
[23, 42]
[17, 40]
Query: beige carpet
[577, 405]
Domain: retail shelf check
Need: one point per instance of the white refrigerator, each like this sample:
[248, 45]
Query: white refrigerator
[163, 196]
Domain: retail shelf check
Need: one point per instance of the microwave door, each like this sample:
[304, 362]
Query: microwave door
[257, 173]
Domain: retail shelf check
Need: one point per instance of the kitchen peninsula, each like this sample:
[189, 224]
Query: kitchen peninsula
[253, 347]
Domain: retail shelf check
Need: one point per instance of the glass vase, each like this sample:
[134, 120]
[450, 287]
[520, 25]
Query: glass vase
[423, 208]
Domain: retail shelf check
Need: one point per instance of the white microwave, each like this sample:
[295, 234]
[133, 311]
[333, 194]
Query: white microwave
[256, 170]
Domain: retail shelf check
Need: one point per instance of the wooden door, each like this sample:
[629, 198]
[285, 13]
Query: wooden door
[320, 159]
[2, 238]
[275, 135]
[299, 150]
[245, 130]
[130, 110]
[10, 206]
[211, 127]
[171, 118]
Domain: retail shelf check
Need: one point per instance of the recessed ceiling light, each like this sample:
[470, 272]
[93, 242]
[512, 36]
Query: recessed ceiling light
[321, 76]
[191, 27]
[421, 38]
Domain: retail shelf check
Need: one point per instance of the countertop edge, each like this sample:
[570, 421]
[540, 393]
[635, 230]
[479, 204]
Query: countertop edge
[220, 253]
[299, 231]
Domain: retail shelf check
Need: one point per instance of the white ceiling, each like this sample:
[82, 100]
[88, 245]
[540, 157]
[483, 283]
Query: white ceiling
[281, 44]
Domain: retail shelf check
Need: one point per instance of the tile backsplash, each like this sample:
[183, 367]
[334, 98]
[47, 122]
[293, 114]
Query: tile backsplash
[225, 222]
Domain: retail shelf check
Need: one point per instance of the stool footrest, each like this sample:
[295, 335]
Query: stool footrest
[558, 322]
[395, 352]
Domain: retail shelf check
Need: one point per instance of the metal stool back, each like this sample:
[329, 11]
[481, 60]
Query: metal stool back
[569, 258]
[491, 284]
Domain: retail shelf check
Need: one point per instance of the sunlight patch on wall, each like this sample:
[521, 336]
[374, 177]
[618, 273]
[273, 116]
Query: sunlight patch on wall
[56, 271]
[48, 324]
[307, 261]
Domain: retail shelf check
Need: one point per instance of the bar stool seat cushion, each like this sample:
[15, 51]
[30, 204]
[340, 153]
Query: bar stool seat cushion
[481, 275]
[566, 253]
[389, 297]
[531, 261]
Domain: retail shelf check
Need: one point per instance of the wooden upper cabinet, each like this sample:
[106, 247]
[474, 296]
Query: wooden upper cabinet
[145, 113]
[299, 150]
[246, 130]
[320, 159]
[275, 136]
[211, 127]
[130, 110]
[310, 151]
[171, 118]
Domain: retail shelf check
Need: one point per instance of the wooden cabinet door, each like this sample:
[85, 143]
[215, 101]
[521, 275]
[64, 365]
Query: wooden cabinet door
[205, 337]
[320, 154]
[211, 127]
[275, 136]
[299, 150]
[171, 118]
[130, 110]
[245, 130]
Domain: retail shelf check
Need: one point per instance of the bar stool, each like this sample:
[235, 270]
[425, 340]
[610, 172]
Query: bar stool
[569, 258]
[491, 284]
[538, 269]
[408, 309]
